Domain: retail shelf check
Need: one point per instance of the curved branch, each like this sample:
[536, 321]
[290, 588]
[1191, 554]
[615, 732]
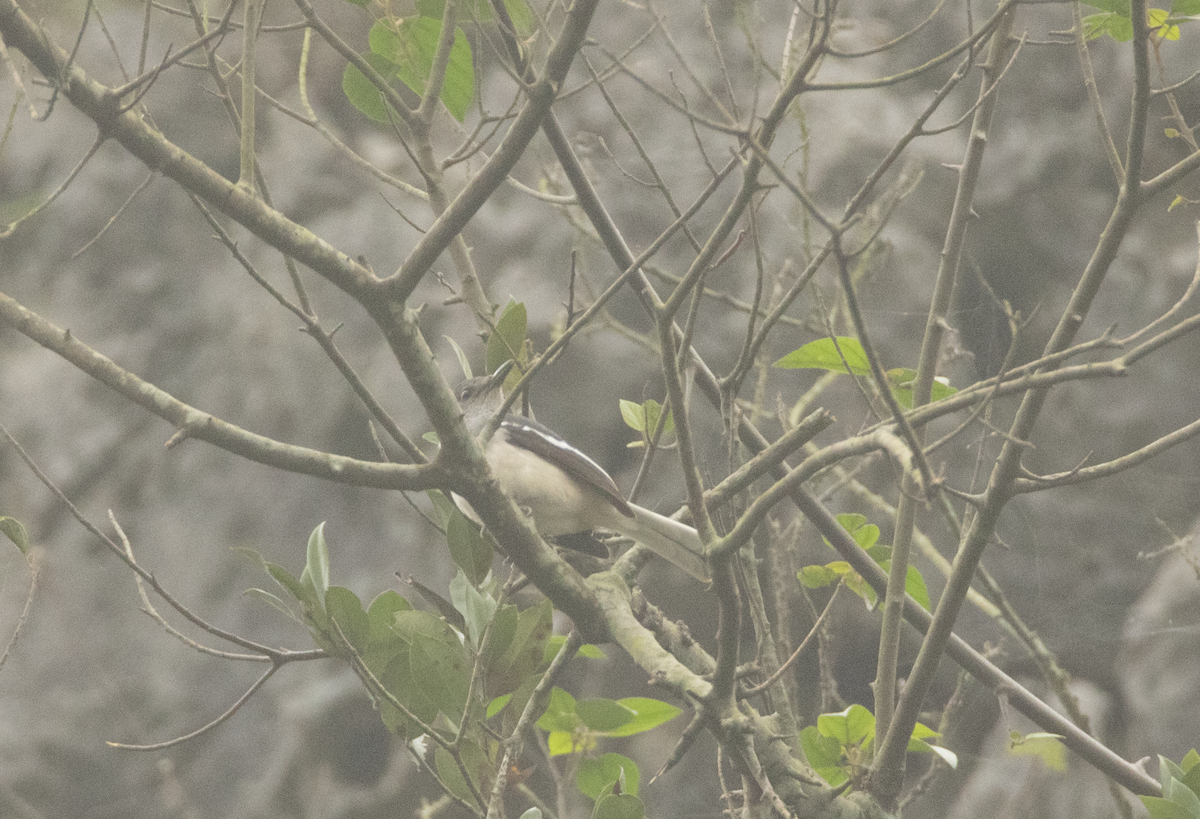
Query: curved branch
[193, 423]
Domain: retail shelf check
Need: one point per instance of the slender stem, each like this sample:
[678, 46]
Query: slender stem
[886, 676]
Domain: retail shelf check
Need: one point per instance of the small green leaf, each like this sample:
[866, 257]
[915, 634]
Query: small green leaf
[1046, 747]
[14, 531]
[1167, 770]
[560, 712]
[532, 813]
[274, 601]
[817, 577]
[945, 754]
[445, 607]
[362, 93]
[634, 415]
[1183, 796]
[1156, 20]
[1160, 808]
[497, 705]
[603, 714]
[854, 726]
[1117, 26]
[914, 585]
[476, 609]
[474, 760]
[288, 580]
[824, 754]
[823, 354]
[471, 553]
[315, 576]
[619, 806]
[463, 362]
[865, 534]
[1192, 758]
[410, 44]
[594, 775]
[507, 343]
[430, 671]
[901, 381]
[346, 610]
[587, 651]
[649, 713]
[1114, 6]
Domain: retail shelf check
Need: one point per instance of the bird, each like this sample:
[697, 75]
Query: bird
[560, 487]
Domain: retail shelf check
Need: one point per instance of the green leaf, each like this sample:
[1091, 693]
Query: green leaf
[469, 550]
[346, 610]
[14, 531]
[1117, 26]
[360, 3]
[315, 576]
[865, 534]
[649, 713]
[603, 714]
[914, 585]
[1115, 6]
[444, 607]
[274, 601]
[516, 646]
[901, 381]
[824, 754]
[1191, 767]
[1156, 19]
[463, 362]
[532, 813]
[521, 16]
[594, 775]
[854, 726]
[476, 609]
[1168, 770]
[443, 507]
[507, 343]
[288, 580]
[382, 644]
[497, 705]
[1046, 747]
[410, 44]
[475, 761]
[430, 670]
[817, 577]
[560, 712]
[644, 418]
[634, 415]
[362, 93]
[918, 744]
[822, 354]
[1191, 759]
[1183, 796]
[1160, 808]
[586, 651]
[619, 806]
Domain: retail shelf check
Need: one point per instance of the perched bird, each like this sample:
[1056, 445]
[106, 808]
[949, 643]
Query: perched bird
[561, 488]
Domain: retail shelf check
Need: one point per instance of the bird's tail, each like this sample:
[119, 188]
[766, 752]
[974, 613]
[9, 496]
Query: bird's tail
[675, 541]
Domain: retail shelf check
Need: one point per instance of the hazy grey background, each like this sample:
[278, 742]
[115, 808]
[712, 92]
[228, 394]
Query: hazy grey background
[162, 298]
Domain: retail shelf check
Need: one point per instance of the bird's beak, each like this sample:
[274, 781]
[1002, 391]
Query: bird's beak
[497, 378]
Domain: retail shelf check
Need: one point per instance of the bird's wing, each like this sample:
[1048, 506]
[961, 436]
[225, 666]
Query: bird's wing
[550, 445]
